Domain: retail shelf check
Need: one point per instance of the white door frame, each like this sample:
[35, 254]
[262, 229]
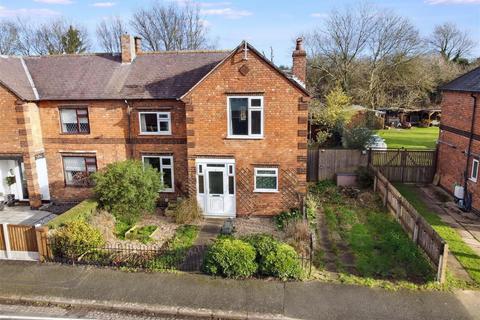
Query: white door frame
[229, 200]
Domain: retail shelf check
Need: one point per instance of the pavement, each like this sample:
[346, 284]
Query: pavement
[24, 215]
[180, 294]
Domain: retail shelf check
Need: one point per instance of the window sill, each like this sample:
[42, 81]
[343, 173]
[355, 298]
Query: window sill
[167, 191]
[156, 134]
[244, 138]
[473, 180]
[265, 191]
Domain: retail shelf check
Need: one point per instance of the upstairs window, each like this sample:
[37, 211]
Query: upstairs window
[475, 167]
[77, 170]
[155, 123]
[163, 164]
[74, 120]
[245, 117]
[266, 180]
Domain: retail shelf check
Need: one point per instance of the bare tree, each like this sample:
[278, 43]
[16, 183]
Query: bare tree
[8, 37]
[451, 42]
[171, 27]
[109, 32]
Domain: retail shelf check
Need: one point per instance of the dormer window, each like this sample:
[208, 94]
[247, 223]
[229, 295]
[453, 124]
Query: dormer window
[245, 117]
[155, 123]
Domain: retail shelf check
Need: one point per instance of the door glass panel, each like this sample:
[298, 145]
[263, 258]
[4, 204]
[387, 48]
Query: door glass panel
[201, 185]
[231, 185]
[215, 182]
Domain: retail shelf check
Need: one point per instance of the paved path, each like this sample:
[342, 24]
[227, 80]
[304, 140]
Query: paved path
[301, 300]
[25, 215]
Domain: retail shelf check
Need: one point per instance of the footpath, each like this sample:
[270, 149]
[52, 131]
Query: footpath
[180, 294]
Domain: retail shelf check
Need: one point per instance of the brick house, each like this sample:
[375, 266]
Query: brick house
[228, 128]
[459, 142]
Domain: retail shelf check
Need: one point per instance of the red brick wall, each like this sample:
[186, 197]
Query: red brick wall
[10, 141]
[457, 111]
[107, 140]
[285, 129]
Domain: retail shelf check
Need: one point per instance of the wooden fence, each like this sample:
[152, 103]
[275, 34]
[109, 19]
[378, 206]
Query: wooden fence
[22, 242]
[326, 163]
[398, 165]
[419, 230]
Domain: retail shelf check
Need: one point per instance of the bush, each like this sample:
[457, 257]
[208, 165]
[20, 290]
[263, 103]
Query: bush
[356, 138]
[127, 189]
[283, 263]
[230, 258]
[76, 238]
[282, 219]
[187, 211]
[81, 212]
[365, 177]
[264, 244]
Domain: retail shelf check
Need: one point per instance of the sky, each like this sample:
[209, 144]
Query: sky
[265, 24]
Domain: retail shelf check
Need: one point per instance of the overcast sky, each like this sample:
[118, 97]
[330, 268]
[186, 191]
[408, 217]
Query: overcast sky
[264, 24]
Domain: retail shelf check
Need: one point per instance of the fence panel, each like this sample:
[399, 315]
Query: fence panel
[325, 163]
[22, 238]
[419, 230]
[22, 242]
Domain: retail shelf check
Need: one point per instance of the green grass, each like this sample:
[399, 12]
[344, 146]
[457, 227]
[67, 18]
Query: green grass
[81, 212]
[414, 138]
[469, 260]
[121, 227]
[142, 234]
[177, 249]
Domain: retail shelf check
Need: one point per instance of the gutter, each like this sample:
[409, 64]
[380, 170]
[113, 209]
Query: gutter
[469, 150]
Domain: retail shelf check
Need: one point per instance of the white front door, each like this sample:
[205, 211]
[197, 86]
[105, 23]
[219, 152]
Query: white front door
[216, 187]
[42, 175]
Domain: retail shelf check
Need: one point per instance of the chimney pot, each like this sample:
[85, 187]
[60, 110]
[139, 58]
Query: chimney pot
[299, 66]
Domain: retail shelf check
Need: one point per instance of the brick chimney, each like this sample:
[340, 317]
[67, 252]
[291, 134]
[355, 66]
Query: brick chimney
[128, 48]
[138, 45]
[299, 68]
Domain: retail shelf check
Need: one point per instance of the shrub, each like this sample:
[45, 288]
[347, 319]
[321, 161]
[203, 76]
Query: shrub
[187, 211]
[283, 263]
[365, 177]
[127, 189]
[311, 204]
[230, 258]
[298, 233]
[282, 219]
[356, 138]
[81, 212]
[263, 244]
[76, 238]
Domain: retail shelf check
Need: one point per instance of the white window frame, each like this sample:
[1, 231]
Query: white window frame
[250, 109]
[255, 189]
[474, 178]
[159, 132]
[162, 166]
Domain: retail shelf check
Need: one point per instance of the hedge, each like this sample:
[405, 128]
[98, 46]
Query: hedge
[81, 212]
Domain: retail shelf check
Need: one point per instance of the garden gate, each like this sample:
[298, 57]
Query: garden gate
[22, 242]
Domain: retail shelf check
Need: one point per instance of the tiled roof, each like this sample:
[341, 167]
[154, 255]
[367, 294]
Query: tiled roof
[469, 82]
[103, 76]
[14, 76]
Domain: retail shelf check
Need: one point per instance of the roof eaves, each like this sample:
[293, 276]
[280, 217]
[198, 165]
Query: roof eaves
[444, 87]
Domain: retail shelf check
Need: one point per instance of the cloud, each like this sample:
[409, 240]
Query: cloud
[7, 13]
[104, 4]
[55, 1]
[228, 13]
[435, 2]
[319, 15]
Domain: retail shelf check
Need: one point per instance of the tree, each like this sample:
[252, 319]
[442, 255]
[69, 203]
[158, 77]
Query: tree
[109, 33]
[8, 38]
[451, 43]
[171, 27]
[72, 42]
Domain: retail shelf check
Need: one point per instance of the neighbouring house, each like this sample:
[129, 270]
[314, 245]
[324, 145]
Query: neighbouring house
[459, 142]
[226, 127]
[418, 117]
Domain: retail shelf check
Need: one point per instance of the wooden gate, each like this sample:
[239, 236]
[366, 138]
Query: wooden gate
[22, 242]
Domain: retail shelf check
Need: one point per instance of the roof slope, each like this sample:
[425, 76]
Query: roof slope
[14, 76]
[469, 82]
[103, 76]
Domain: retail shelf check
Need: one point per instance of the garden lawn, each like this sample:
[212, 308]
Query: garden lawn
[469, 260]
[414, 138]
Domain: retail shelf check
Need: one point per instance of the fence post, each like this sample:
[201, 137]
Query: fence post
[6, 237]
[385, 200]
[43, 250]
[442, 265]
[415, 231]
[375, 181]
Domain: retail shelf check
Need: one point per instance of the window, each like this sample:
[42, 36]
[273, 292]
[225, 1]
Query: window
[78, 169]
[475, 165]
[266, 180]
[155, 123]
[245, 117]
[163, 164]
[75, 120]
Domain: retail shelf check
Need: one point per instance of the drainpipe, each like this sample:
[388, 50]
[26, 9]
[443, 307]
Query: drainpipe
[129, 113]
[469, 150]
